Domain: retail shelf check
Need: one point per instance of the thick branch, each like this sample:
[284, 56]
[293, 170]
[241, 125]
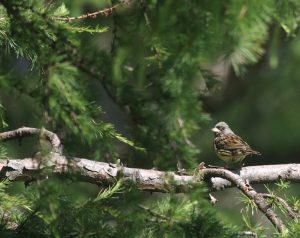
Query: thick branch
[101, 173]
[146, 179]
[105, 173]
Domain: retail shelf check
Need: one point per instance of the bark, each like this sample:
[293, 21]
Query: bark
[54, 163]
[82, 169]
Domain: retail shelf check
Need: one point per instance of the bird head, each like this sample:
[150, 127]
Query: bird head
[221, 128]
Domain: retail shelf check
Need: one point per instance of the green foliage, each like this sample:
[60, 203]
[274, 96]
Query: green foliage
[150, 59]
[61, 210]
[281, 185]
[110, 191]
[254, 227]
[13, 207]
[68, 104]
[273, 194]
[187, 215]
[87, 29]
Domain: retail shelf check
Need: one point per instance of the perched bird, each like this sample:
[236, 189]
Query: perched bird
[228, 146]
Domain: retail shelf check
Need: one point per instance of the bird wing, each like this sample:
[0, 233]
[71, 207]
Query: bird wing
[232, 143]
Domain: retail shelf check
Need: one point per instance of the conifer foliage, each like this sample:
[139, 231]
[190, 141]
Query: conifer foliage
[151, 60]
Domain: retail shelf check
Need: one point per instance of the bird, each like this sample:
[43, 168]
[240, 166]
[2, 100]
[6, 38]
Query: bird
[229, 147]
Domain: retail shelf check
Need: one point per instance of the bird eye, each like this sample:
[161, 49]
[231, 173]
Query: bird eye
[221, 128]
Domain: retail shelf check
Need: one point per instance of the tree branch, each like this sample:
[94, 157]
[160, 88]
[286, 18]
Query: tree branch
[28, 131]
[291, 212]
[146, 179]
[100, 173]
[262, 174]
[246, 188]
[104, 12]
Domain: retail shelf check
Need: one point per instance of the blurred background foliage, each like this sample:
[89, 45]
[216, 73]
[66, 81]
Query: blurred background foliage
[143, 83]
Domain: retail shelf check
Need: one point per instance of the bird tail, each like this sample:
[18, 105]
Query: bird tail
[254, 152]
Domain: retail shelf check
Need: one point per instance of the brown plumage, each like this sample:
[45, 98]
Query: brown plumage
[230, 147]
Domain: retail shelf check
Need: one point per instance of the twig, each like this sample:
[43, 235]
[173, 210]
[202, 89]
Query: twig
[212, 199]
[293, 214]
[86, 66]
[104, 12]
[153, 213]
[102, 79]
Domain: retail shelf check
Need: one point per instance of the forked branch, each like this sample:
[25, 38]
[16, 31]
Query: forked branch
[104, 174]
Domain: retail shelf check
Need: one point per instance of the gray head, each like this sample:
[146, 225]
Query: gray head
[222, 128]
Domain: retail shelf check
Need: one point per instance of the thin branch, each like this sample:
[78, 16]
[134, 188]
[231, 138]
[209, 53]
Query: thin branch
[153, 213]
[86, 66]
[104, 12]
[28, 131]
[291, 212]
[246, 188]
[101, 78]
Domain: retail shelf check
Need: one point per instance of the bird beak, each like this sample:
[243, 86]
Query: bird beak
[215, 130]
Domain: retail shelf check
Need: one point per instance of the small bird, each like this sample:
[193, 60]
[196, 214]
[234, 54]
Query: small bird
[229, 147]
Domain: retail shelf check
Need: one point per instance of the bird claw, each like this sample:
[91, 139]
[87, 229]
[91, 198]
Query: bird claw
[201, 166]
